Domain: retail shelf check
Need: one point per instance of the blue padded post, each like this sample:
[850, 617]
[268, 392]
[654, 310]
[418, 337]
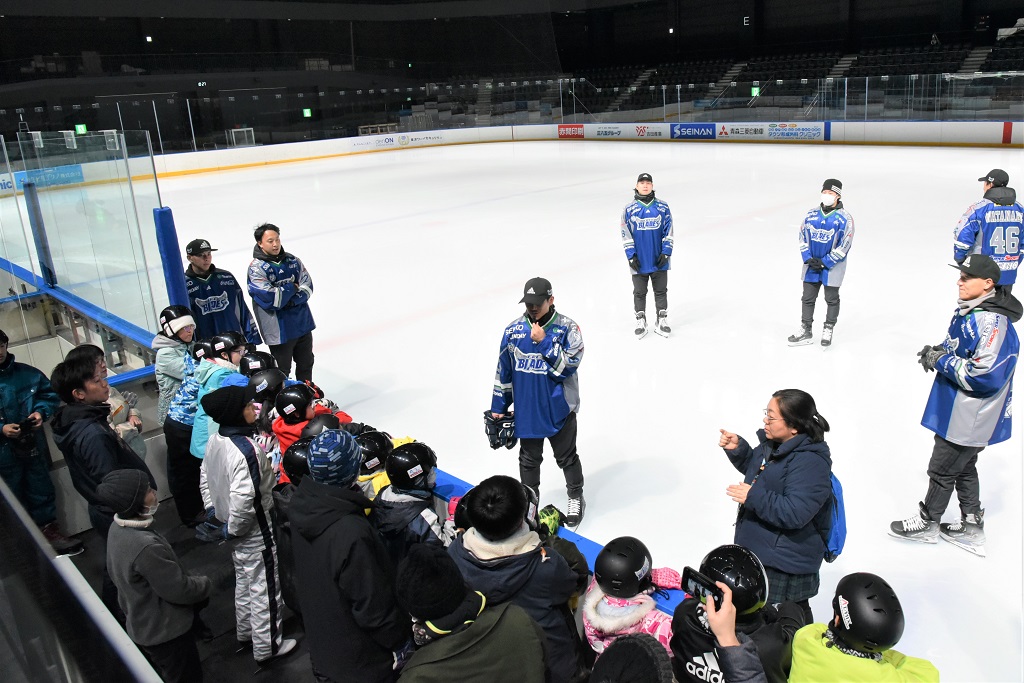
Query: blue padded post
[35, 220]
[170, 257]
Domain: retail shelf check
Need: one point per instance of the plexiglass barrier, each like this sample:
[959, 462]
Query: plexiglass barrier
[82, 206]
[271, 116]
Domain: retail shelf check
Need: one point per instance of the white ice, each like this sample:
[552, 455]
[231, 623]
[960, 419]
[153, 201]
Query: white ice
[419, 257]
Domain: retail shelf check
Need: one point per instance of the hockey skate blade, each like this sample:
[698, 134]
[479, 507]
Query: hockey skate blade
[973, 549]
[641, 336]
[662, 334]
[928, 541]
[806, 342]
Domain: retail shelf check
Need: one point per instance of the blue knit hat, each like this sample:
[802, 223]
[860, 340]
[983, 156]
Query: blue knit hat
[334, 458]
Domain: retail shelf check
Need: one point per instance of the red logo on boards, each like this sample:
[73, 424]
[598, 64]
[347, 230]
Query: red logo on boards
[570, 130]
[641, 131]
[723, 133]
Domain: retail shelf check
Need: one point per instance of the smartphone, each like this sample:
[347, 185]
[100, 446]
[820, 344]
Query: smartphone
[700, 586]
[26, 425]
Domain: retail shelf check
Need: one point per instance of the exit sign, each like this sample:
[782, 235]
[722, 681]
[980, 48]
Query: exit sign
[80, 129]
[307, 113]
[755, 91]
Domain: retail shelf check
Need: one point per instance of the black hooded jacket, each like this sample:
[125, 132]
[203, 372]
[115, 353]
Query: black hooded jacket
[1003, 196]
[92, 449]
[345, 584]
[1003, 303]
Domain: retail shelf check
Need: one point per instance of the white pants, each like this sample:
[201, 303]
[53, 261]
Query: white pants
[258, 600]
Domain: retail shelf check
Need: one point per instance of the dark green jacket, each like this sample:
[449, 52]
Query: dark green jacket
[504, 645]
[23, 391]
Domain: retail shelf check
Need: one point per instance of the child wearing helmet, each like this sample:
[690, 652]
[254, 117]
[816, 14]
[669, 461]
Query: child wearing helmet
[172, 344]
[372, 475]
[295, 405]
[619, 600]
[857, 644]
[771, 628]
[212, 373]
[403, 512]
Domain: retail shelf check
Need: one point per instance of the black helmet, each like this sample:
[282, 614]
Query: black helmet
[170, 314]
[742, 572]
[268, 383]
[202, 349]
[870, 615]
[319, 423]
[623, 567]
[254, 361]
[376, 447]
[409, 466]
[461, 516]
[294, 461]
[292, 403]
[225, 341]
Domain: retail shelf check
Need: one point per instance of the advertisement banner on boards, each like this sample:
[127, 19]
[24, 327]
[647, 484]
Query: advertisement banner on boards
[570, 130]
[693, 131]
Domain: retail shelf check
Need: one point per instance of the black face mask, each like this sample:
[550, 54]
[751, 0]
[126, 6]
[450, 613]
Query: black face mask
[643, 197]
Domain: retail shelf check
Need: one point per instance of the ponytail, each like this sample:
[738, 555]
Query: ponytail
[799, 412]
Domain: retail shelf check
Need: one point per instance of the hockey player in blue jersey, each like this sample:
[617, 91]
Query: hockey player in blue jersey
[646, 230]
[993, 226]
[537, 362]
[215, 296]
[826, 236]
[280, 287]
[969, 405]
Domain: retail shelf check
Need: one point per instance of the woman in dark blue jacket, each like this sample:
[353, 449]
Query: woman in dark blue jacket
[786, 486]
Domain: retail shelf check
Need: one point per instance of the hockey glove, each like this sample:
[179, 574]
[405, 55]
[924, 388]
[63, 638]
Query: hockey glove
[929, 355]
[491, 429]
[815, 264]
[212, 532]
[662, 260]
[634, 263]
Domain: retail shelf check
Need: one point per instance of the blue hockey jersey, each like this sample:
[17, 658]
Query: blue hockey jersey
[827, 235]
[217, 305]
[992, 227]
[539, 378]
[972, 394]
[280, 292]
[647, 233]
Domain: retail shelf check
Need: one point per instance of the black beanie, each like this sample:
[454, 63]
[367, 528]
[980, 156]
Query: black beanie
[634, 658]
[124, 491]
[226, 405]
[429, 584]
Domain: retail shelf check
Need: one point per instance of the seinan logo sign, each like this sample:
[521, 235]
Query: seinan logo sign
[570, 130]
[693, 131]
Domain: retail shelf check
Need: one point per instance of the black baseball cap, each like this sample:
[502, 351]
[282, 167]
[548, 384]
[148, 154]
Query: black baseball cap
[997, 177]
[536, 291]
[644, 176]
[833, 185]
[196, 247]
[979, 265]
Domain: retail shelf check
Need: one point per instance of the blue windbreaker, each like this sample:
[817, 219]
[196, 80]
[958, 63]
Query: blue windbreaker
[992, 227]
[827, 235]
[647, 232]
[972, 393]
[540, 378]
[280, 292]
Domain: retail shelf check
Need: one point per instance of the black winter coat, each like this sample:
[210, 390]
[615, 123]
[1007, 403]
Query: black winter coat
[345, 583]
[92, 449]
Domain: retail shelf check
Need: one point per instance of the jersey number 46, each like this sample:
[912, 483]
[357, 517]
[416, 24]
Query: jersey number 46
[1009, 245]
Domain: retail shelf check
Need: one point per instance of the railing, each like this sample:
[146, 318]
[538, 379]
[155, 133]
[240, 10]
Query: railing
[277, 115]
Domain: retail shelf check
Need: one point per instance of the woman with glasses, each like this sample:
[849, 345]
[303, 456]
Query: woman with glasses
[783, 510]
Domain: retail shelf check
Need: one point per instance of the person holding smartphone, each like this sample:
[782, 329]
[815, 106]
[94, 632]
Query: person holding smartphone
[784, 494]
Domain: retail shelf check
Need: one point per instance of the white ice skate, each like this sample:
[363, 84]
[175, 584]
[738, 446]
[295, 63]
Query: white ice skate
[661, 327]
[801, 338]
[968, 533]
[826, 336]
[641, 325]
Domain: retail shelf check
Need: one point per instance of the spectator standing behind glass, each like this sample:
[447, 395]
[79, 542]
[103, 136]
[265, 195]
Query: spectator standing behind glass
[215, 297]
[280, 288]
[26, 401]
[782, 499]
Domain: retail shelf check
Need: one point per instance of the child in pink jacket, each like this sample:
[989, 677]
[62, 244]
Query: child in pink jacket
[619, 602]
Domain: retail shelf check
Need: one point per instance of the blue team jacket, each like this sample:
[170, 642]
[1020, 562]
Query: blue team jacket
[218, 306]
[827, 235]
[647, 233]
[280, 292]
[972, 393]
[992, 227]
[539, 378]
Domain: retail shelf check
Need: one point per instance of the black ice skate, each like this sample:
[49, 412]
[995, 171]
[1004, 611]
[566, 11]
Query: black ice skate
[574, 511]
[661, 327]
[826, 335]
[919, 527]
[641, 325]
[803, 337]
[968, 533]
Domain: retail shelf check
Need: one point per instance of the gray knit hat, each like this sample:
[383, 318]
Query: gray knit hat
[124, 491]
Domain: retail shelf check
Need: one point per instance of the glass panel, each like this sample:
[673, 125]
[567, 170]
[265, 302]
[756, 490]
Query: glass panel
[92, 222]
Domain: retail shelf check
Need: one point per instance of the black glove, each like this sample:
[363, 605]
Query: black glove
[662, 260]
[928, 356]
[815, 264]
[634, 263]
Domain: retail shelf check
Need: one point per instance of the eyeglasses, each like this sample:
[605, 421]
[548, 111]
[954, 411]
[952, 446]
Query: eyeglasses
[769, 419]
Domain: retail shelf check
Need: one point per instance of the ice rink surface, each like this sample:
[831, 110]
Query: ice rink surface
[418, 258]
